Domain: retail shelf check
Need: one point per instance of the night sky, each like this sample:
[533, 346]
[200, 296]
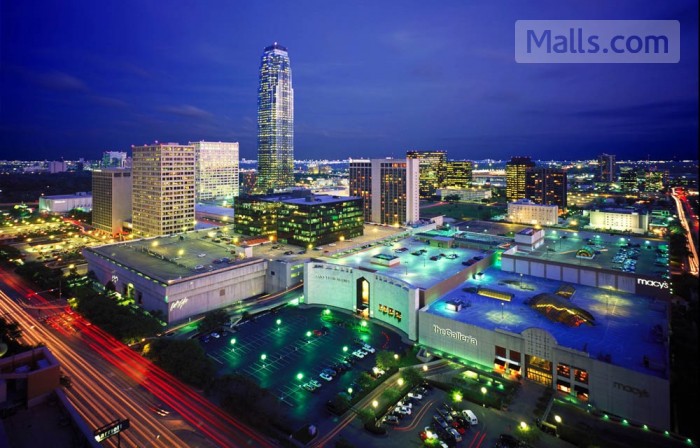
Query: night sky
[371, 78]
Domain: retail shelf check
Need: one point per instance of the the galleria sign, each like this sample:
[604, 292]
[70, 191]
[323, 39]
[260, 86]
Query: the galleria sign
[455, 334]
[654, 283]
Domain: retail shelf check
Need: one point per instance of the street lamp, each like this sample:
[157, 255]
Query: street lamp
[263, 357]
[400, 382]
[349, 390]
[300, 376]
[557, 419]
[345, 349]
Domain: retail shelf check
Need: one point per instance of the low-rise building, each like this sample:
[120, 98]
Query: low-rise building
[524, 211]
[465, 194]
[623, 220]
[64, 203]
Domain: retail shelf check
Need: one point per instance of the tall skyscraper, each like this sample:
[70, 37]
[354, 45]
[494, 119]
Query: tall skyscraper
[275, 120]
[546, 186]
[163, 189]
[111, 199]
[432, 170]
[216, 174]
[389, 188]
[458, 174]
[516, 170]
[606, 168]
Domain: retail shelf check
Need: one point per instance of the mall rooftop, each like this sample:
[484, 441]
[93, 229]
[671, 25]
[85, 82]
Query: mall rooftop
[610, 251]
[414, 267]
[626, 327]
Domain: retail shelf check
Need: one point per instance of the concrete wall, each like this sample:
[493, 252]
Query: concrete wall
[586, 275]
[192, 296]
[628, 393]
[283, 275]
[335, 285]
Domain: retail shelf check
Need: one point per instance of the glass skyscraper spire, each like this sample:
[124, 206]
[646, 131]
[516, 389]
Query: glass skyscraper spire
[275, 120]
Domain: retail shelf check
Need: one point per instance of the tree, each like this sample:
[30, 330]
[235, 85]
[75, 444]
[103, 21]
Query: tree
[183, 358]
[365, 380]
[452, 198]
[213, 320]
[412, 376]
[366, 415]
[385, 359]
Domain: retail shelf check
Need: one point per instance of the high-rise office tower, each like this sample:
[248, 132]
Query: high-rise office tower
[516, 170]
[163, 189]
[275, 120]
[389, 188]
[546, 186]
[360, 184]
[216, 174]
[458, 174]
[111, 199]
[606, 168]
[432, 170]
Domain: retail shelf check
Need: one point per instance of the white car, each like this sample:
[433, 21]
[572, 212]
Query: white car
[403, 410]
[358, 354]
[368, 348]
[414, 395]
[403, 404]
[325, 376]
[216, 335]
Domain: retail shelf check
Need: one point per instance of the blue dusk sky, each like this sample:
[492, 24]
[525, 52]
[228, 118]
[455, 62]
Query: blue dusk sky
[371, 78]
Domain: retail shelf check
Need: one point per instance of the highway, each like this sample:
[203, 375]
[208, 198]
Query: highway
[691, 235]
[110, 381]
[98, 398]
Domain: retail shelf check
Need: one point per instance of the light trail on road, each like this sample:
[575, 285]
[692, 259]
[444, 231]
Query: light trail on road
[693, 258]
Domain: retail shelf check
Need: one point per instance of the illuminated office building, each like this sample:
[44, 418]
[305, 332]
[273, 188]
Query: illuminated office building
[216, 174]
[163, 196]
[431, 170]
[111, 199]
[300, 218]
[113, 159]
[547, 186]
[606, 168]
[516, 173]
[389, 188]
[458, 174]
[275, 120]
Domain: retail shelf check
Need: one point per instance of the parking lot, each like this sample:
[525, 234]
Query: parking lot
[283, 351]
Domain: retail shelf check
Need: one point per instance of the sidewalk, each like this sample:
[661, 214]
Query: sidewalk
[523, 405]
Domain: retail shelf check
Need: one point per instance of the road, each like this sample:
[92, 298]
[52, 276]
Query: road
[112, 381]
[691, 234]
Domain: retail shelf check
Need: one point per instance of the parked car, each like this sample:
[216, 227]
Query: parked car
[391, 420]
[325, 376]
[368, 348]
[415, 395]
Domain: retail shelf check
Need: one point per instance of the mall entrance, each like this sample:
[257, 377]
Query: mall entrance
[362, 297]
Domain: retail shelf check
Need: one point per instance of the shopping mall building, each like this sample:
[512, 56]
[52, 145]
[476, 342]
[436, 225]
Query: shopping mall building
[586, 338]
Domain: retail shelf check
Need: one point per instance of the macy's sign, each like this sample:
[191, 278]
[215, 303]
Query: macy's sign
[654, 283]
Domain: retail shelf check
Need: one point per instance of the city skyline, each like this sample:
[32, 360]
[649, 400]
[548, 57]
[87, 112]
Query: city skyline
[373, 79]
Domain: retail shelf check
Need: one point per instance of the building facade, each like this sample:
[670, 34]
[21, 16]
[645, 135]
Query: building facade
[606, 168]
[163, 193]
[64, 203]
[458, 174]
[516, 175]
[389, 188]
[621, 220]
[465, 194]
[547, 186]
[275, 120]
[216, 174]
[525, 211]
[111, 199]
[302, 220]
[431, 170]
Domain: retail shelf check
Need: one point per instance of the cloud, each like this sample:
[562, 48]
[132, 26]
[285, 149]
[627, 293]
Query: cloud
[109, 102]
[58, 81]
[187, 110]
